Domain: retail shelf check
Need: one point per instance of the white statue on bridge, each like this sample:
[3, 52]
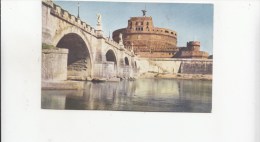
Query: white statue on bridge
[99, 19]
[120, 37]
[121, 40]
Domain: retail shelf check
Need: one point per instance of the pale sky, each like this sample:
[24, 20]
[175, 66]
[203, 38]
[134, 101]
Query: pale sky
[190, 21]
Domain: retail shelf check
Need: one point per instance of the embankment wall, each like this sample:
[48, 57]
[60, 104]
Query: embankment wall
[171, 65]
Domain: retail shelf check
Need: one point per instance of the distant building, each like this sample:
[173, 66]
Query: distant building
[191, 51]
[210, 57]
[149, 41]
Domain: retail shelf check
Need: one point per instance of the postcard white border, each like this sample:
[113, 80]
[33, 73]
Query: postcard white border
[235, 87]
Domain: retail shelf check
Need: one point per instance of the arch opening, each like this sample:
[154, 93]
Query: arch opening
[126, 61]
[111, 57]
[79, 61]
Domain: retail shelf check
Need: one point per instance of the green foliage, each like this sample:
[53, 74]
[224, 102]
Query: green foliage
[47, 46]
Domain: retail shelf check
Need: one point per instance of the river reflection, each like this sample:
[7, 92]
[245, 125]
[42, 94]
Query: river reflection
[141, 95]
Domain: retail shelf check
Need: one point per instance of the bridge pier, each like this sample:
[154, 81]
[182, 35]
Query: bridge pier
[54, 69]
[54, 64]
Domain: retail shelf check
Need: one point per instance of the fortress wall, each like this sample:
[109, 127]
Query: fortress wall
[158, 65]
[146, 39]
[170, 65]
[54, 64]
[155, 54]
[196, 67]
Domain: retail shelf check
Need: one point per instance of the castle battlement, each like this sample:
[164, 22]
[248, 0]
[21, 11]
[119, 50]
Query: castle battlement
[193, 43]
[194, 54]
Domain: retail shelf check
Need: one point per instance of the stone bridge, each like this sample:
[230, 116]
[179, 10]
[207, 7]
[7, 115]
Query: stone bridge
[89, 53]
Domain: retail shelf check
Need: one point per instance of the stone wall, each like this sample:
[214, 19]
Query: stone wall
[193, 54]
[54, 64]
[196, 67]
[105, 70]
[156, 54]
[109, 70]
[78, 68]
[158, 65]
[170, 65]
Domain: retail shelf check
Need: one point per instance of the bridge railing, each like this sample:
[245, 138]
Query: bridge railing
[111, 42]
[116, 45]
[57, 11]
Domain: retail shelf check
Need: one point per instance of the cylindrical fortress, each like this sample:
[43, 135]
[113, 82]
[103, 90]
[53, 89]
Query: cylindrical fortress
[147, 40]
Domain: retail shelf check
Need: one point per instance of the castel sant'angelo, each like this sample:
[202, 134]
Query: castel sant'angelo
[149, 41]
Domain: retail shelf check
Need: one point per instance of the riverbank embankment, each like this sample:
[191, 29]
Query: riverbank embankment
[176, 76]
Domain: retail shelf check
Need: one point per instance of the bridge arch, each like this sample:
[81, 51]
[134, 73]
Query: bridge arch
[60, 32]
[79, 57]
[111, 56]
[126, 61]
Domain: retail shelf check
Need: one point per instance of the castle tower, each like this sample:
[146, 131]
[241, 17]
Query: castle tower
[147, 40]
[193, 45]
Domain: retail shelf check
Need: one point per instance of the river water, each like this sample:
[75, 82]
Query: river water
[166, 95]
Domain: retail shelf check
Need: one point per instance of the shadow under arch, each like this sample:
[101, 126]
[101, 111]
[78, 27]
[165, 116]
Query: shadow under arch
[126, 61]
[111, 57]
[79, 58]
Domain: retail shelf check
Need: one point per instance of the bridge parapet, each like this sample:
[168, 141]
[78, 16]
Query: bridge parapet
[116, 45]
[48, 3]
[130, 53]
[57, 11]
[112, 42]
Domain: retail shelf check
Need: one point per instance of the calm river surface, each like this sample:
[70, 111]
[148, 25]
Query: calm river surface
[168, 95]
